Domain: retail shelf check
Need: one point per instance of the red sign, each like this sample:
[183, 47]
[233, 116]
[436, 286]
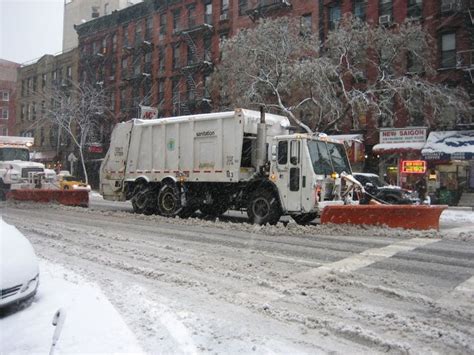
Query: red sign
[95, 149]
[413, 166]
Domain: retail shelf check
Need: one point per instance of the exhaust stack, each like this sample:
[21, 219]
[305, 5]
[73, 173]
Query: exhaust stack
[261, 148]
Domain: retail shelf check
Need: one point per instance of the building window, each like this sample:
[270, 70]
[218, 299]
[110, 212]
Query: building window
[22, 112]
[415, 8]
[191, 16]
[306, 24]
[124, 68]
[106, 8]
[4, 113]
[138, 33]
[176, 62]
[385, 8]
[176, 21]
[224, 9]
[207, 49]
[69, 72]
[334, 16]
[162, 25]
[149, 29]
[161, 91]
[161, 59]
[137, 66]
[23, 86]
[34, 83]
[208, 13]
[448, 50]
[125, 36]
[147, 68]
[243, 7]
[95, 12]
[114, 42]
[44, 79]
[359, 9]
[5, 96]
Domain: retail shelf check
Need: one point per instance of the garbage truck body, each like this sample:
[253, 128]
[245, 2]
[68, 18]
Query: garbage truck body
[213, 162]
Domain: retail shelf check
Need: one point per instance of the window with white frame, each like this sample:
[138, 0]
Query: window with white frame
[5, 96]
[448, 50]
[4, 113]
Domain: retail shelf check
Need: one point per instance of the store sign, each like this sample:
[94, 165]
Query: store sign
[148, 113]
[413, 166]
[403, 135]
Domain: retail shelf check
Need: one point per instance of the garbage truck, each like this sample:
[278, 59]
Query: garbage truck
[241, 159]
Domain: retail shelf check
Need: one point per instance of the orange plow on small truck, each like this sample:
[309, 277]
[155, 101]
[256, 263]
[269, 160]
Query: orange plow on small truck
[419, 217]
[63, 197]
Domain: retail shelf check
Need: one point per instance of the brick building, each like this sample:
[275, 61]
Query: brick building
[161, 53]
[36, 83]
[7, 96]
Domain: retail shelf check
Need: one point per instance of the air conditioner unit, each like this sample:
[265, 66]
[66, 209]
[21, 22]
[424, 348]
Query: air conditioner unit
[224, 17]
[385, 20]
[448, 6]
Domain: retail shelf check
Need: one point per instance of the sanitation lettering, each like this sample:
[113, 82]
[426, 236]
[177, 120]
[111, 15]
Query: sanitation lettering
[205, 134]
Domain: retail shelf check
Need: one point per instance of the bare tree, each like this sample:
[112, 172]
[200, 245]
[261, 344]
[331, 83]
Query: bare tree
[361, 69]
[79, 111]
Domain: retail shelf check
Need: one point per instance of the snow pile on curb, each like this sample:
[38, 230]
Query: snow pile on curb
[92, 324]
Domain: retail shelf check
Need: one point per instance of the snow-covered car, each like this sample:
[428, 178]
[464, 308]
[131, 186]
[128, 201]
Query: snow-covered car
[19, 270]
[384, 192]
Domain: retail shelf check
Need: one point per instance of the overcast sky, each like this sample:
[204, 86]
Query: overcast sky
[30, 29]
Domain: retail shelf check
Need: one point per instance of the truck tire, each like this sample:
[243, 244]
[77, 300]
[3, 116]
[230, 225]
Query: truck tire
[143, 200]
[264, 208]
[169, 201]
[304, 218]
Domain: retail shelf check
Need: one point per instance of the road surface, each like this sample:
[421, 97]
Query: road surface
[197, 286]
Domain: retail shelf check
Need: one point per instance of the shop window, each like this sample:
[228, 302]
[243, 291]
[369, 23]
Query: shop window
[448, 50]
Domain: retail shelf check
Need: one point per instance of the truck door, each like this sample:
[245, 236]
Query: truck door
[289, 171]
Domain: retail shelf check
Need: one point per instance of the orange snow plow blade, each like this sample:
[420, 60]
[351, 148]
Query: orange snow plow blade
[395, 216]
[63, 197]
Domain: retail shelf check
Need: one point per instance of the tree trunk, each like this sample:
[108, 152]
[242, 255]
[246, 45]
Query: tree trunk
[84, 166]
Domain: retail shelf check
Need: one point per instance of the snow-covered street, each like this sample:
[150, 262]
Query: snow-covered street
[197, 286]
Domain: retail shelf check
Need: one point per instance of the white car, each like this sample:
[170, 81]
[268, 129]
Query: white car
[19, 270]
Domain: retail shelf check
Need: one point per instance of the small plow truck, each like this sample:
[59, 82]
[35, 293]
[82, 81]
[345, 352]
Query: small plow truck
[24, 180]
[241, 160]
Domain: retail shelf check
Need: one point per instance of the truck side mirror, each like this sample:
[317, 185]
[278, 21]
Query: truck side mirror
[274, 152]
[294, 152]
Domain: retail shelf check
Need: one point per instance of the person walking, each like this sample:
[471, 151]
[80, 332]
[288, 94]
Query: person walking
[421, 188]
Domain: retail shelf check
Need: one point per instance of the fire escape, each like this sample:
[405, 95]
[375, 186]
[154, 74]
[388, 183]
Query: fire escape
[198, 62]
[260, 8]
[465, 58]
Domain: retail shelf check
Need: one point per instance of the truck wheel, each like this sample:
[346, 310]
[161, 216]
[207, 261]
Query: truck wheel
[169, 201]
[264, 208]
[143, 200]
[304, 218]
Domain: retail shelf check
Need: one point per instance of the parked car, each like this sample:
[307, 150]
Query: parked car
[384, 192]
[19, 270]
[69, 182]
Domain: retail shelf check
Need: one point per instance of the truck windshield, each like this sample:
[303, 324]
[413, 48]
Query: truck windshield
[328, 157]
[7, 154]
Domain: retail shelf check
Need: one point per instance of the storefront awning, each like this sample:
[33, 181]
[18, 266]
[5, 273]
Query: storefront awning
[42, 156]
[449, 145]
[397, 148]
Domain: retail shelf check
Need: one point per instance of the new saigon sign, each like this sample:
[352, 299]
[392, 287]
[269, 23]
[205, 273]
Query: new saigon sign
[403, 135]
